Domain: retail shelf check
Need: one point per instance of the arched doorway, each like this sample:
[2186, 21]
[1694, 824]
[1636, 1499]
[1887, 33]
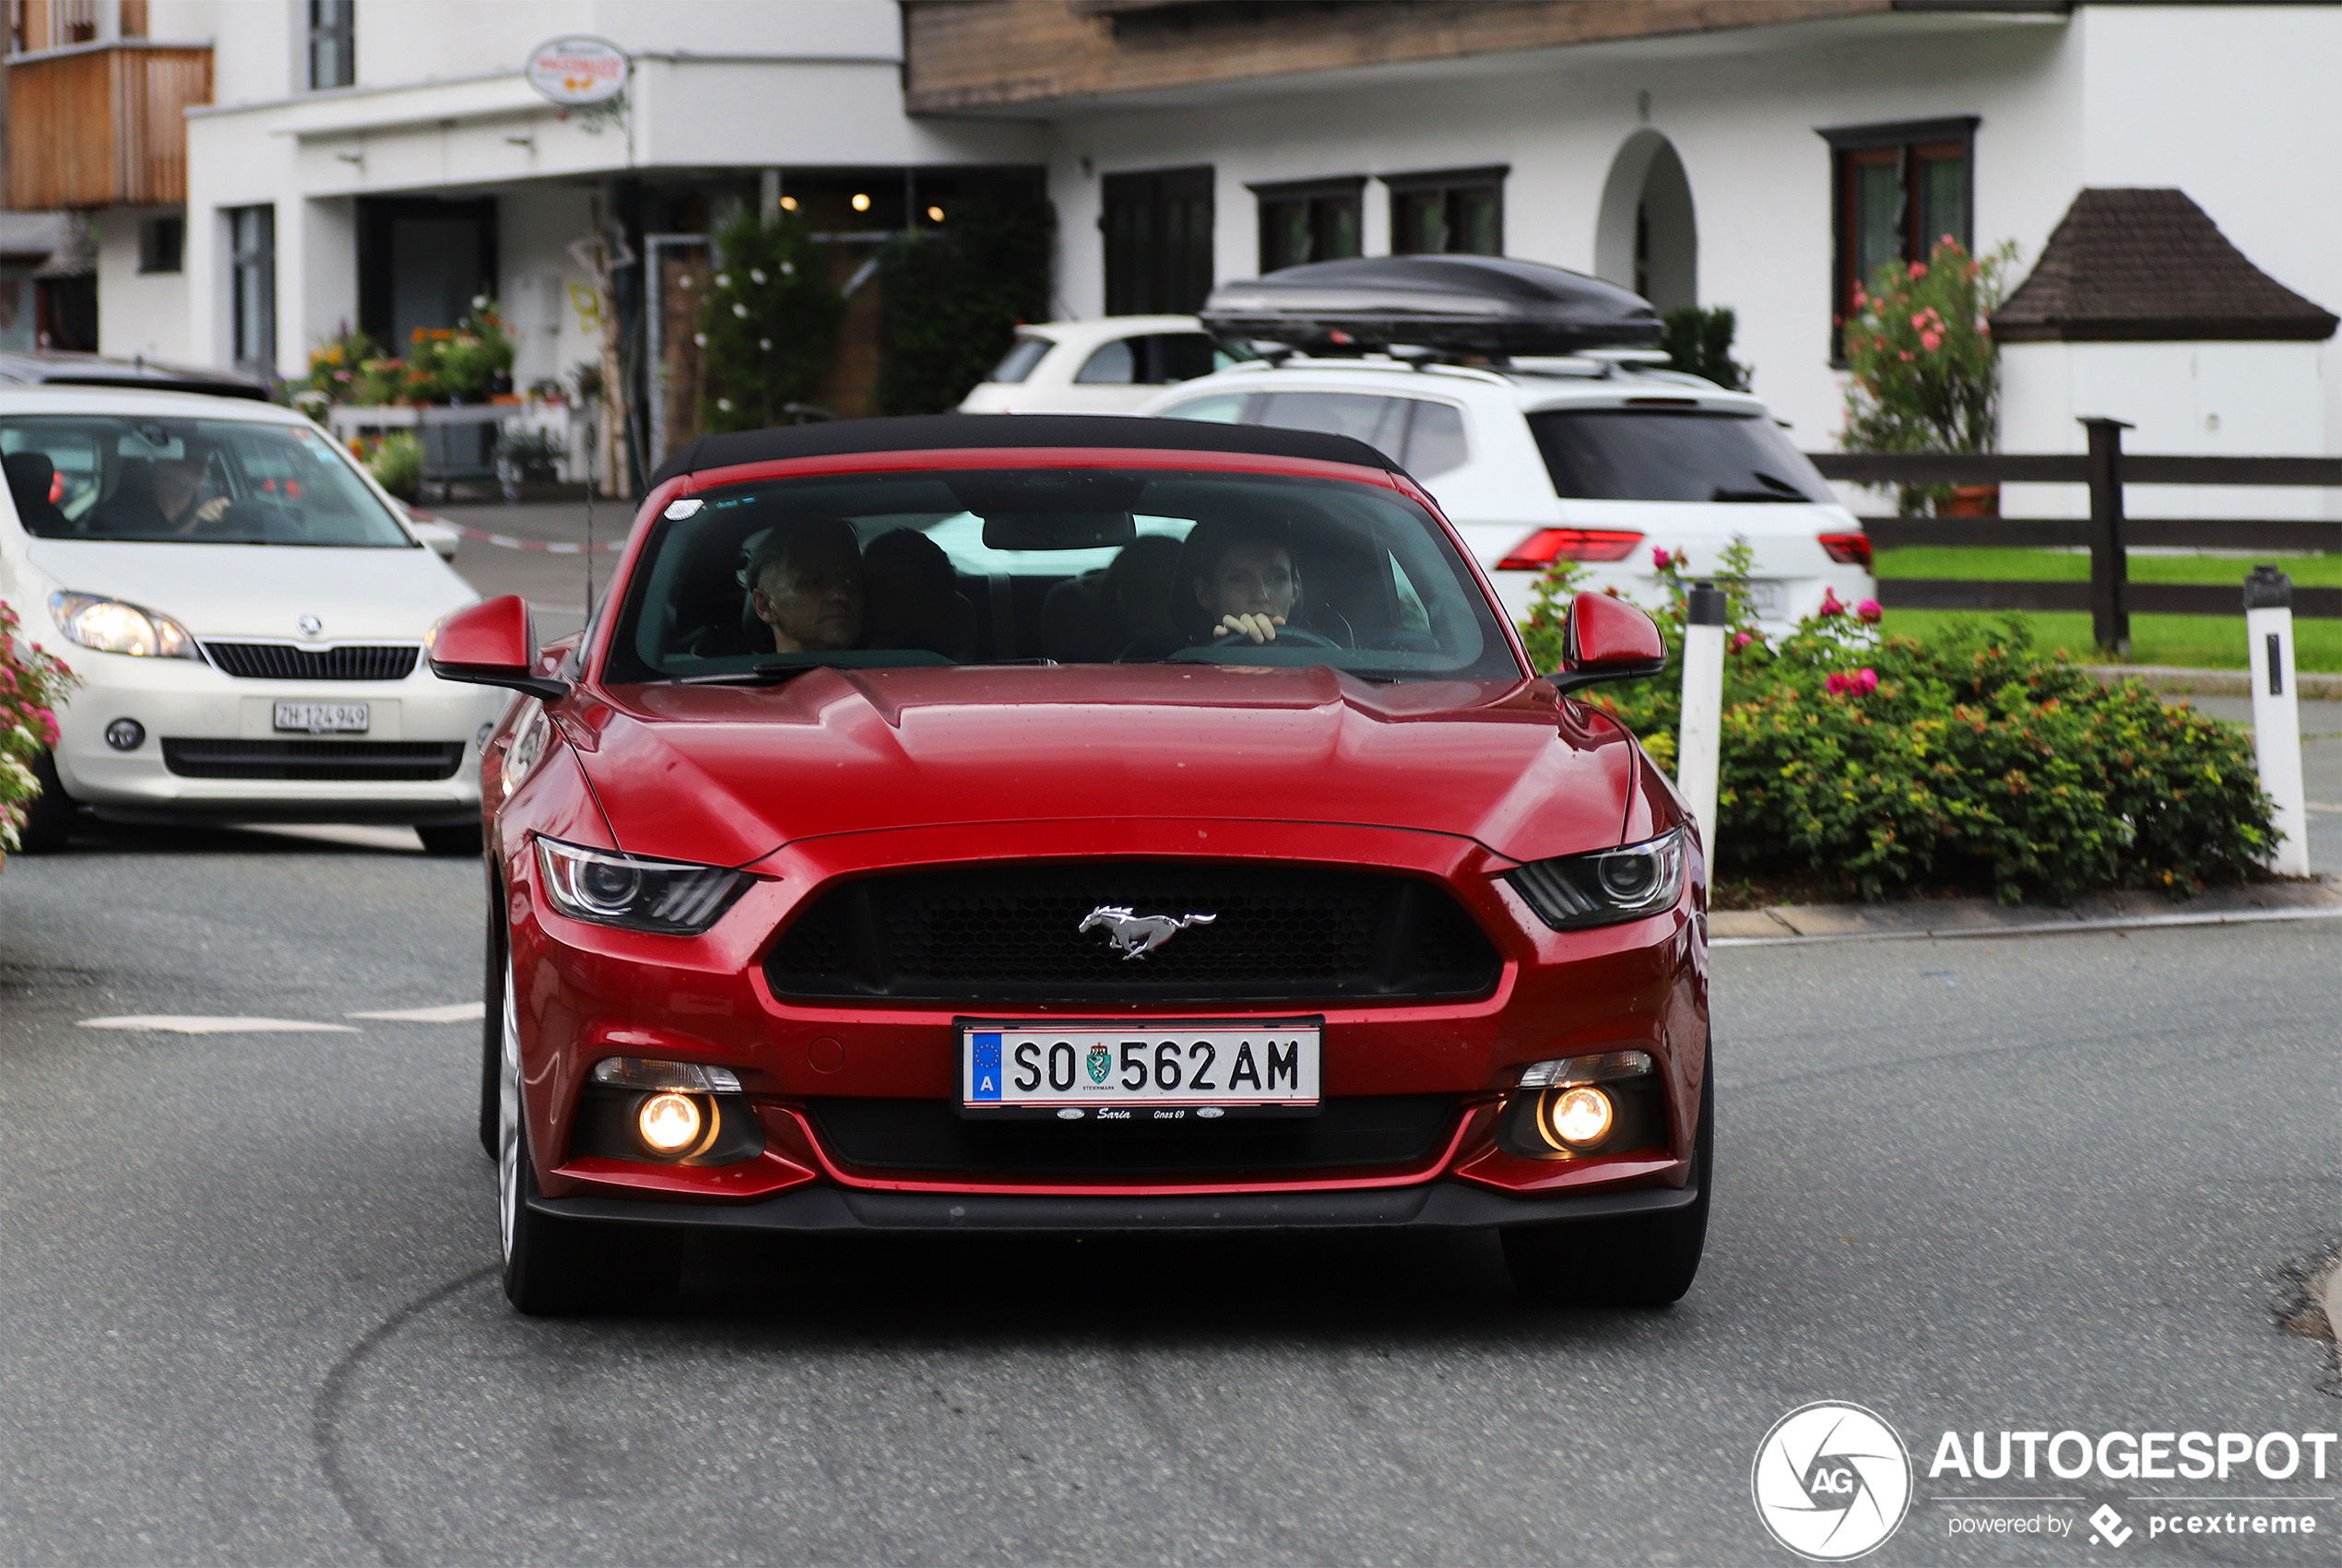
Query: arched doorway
[1647, 238]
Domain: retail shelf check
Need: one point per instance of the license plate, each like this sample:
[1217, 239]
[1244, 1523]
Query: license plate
[1769, 600]
[1152, 1072]
[324, 718]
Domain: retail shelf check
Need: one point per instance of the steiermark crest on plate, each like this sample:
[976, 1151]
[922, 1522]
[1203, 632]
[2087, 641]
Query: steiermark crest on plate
[1101, 1063]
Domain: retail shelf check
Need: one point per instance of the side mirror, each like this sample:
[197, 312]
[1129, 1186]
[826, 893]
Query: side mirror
[1608, 638]
[494, 644]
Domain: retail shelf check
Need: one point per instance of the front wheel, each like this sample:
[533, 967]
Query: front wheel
[1632, 1261]
[458, 841]
[48, 815]
[557, 1266]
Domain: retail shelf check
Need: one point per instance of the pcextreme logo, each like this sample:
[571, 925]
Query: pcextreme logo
[1831, 1481]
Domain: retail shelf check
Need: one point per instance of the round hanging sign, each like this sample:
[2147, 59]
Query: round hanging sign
[574, 72]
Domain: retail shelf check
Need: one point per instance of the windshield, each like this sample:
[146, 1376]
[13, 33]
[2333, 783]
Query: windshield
[1065, 566]
[188, 482]
[1672, 454]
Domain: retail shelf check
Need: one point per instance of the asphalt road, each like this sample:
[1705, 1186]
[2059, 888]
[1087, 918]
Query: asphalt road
[248, 1315]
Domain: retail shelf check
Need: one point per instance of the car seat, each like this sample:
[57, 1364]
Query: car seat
[32, 475]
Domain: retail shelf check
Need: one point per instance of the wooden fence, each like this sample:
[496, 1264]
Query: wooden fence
[2109, 595]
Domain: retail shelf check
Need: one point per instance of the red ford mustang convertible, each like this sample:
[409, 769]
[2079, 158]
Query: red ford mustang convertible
[1078, 825]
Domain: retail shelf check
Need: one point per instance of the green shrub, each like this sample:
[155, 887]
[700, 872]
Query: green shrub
[32, 684]
[954, 297]
[396, 464]
[1968, 761]
[770, 325]
[1923, 372]
[1699, 343]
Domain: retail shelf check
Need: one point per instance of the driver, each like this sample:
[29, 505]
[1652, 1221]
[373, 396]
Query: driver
[805, 582]
[1247, 585]
[158, 496]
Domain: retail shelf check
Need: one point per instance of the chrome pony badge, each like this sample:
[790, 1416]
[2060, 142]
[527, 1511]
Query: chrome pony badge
[1135, 935]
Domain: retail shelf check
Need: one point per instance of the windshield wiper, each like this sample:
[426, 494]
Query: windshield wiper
[1775, 489]
[762, 675]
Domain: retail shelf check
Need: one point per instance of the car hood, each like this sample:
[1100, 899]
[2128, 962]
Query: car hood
[263, 590]
[727, 774]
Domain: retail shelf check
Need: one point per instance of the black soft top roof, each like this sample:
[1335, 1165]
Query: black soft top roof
[947, 432]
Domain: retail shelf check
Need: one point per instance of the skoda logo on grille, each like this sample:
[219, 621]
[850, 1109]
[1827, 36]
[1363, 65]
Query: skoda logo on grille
[311, 626]
[1135, 935]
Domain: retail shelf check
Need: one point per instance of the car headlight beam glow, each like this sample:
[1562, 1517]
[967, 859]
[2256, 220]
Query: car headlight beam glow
[115, 626]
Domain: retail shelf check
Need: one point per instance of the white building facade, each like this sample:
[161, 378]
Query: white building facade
[1757, 154]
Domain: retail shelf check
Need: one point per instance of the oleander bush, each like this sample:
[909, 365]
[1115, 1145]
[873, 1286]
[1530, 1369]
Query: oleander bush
[1966, 761]
[31, 685]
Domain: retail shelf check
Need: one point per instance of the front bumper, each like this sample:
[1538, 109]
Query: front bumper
[181, 700]
[1433, 1206]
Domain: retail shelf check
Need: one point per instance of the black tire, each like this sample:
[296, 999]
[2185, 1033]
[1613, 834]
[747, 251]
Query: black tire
[556, 1266]
[1638, 1261]
[491, 1022]
[49, 816]
[455, 840]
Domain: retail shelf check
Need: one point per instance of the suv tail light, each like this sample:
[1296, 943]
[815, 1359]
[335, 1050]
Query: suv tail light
[1848, 550]
[1545, 545]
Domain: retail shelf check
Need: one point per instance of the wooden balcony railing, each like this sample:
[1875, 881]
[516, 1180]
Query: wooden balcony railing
[103, 124]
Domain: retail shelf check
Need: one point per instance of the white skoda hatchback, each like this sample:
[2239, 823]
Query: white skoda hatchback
[248, 615]
[1601, 459]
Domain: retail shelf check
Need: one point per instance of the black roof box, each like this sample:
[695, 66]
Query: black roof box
[1487, 305]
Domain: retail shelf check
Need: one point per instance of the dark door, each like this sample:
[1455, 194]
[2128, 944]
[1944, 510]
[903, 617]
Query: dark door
[1158, 241]
[420, 263]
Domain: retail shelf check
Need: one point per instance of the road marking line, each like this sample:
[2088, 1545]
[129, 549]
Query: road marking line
[455, 1012]
[185, 1023]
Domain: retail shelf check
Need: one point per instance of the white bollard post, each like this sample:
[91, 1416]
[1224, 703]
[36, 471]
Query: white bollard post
[1697, 741]
[2276, 715]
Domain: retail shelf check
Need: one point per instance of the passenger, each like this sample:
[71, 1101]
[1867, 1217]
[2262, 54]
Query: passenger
[805, 582]
[915, 598]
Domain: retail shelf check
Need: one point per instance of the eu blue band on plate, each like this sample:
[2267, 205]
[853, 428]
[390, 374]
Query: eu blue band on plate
[984, 1073]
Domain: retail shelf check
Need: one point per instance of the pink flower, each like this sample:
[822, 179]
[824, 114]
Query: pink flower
[1663, 560]
[1863, 680]
[1830, 606]
[1870, 612]
[1905, 356]
[1919, 269]
[1836, 685]
[1918, 318]
[1931, 341]
[1860, 299]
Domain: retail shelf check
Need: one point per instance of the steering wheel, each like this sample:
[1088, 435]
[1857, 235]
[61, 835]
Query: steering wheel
[1299, 635]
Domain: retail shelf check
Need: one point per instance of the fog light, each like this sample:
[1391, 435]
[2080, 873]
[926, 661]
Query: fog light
[671, 1123]
[1580, 1117]
[125, 734]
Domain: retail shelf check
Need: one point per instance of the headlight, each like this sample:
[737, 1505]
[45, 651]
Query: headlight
[670, 897]
[1576, 890]
[112, 627]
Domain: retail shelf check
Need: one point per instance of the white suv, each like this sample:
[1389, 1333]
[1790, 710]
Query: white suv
[1109, 366]
[1603, 459]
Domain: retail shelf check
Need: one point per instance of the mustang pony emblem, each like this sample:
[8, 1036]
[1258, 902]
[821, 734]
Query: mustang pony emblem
[1135, 935]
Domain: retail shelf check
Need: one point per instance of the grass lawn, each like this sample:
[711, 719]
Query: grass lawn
[2198, 642]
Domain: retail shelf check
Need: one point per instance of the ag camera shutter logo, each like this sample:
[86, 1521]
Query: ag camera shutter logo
[1831, 1481]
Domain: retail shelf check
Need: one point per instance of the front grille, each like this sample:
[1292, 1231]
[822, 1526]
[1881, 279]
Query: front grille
[1355, 1133]
[282, 661]
[991, 934]
[309, 762]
